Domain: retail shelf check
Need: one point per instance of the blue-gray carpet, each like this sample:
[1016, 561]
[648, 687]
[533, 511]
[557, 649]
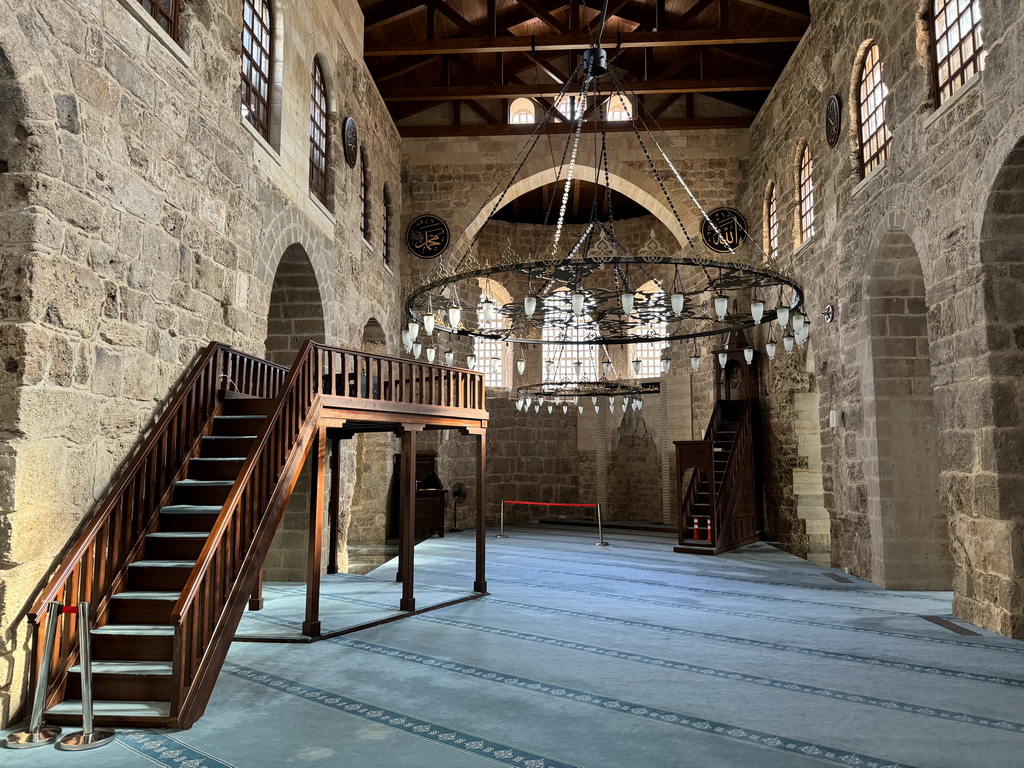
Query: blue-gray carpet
[628, 655]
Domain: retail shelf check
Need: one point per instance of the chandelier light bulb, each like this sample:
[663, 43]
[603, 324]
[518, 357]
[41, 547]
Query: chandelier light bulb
[520, 366]
[748, 355]
[581, 409]
[471, 361]
[770, 348]
[722, 359]
[798, 322]
[494, 364]
[431, 353]
[416, 349]
[695, 362]
[593, 399]
[536, 408]
[636, 366]
[529, 402]
[565, 407]
[529, 305]
[666, 363]
[597, 408]
[782, 314]
[787, 343]
[414, 329]
[638, 403]
[540, 400]
[625, 402]
[678, 300]
[550, 407]
[721, 306]
[449, 358]
[487, 310]
[407, 341]
[428, 324]
[549, 366]
[625, 406]
[627, 303]
[606, 366]
[757, 311]
[577, 303]
[454, 317]
[611, 403]
[578, 367]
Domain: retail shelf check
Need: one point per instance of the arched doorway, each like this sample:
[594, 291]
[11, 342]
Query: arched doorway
[296, 314]
[909, 546]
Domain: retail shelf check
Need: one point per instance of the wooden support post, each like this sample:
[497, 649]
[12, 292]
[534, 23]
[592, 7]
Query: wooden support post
[480, 585]
[334, 511]
[407, 520]
[256, 598]
[311, 626]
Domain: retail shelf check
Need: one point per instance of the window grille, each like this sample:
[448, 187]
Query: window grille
[385, 229]
[959, 50]
[364, 199]
[773, 222]
[318, 133]
[257, 47]
[874, 133]
[806, 195]
[166, 14]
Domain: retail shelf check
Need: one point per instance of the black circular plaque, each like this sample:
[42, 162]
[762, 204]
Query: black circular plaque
[350, 136]
[427, 236]
[833, 120]
[732, 230]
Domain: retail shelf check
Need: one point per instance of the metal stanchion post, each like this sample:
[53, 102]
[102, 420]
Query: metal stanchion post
[501, 523]
[39, 735]
[87, 738]
[600, 531]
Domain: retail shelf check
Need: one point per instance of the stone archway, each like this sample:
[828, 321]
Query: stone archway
[990, 542]
[296, 314]
[909, 531]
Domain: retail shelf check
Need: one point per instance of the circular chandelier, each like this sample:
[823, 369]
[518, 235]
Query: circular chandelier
[589, 288]
[566, 394]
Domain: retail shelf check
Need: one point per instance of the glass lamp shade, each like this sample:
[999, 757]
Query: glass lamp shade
[666, 363]
[627, 303]
[519, 405]
[695, 362]
[550, 407]
[454, 317]
[639, 404]
[449, 358]
[577, 303]
[678, 300]
[549, 366]
[636, 366]
[536, 408]
[565, 407]
[431, 353]
[487, 310]
[748, 355]
[428, 324]
[414, 329]
[801, 336]
[593, 399]
[577, 367]
[757, 311]
[799, 319]
[611, 403]
[597, 408]
[494, 364]
[407, 341]
[540, 400]
[721, 306]
[787, 343]
[625, 402]
[782, 314]
[606, 366]
[529, 305]
[581, 409]
[520, 366]
[770, 348]
[416, 349]
[471, 362]
[529, 402]
[723, 358]
[625, 406]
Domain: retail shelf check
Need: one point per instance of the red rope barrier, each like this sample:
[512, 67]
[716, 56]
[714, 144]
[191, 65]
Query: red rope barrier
[69, 609]
[547, 503]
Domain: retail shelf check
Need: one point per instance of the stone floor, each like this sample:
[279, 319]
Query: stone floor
[627, 655]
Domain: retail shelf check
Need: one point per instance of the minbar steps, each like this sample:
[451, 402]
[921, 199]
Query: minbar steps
[132, 653]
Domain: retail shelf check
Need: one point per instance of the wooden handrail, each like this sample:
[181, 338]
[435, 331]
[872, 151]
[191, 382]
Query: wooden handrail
[733, 486]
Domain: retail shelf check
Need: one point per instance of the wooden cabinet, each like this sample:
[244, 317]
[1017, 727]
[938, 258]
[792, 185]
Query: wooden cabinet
[430, 497]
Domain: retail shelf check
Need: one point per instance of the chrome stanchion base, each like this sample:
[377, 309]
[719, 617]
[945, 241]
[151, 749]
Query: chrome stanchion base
[600, 543]
[501, 535]
[80, 740]
[47, 734]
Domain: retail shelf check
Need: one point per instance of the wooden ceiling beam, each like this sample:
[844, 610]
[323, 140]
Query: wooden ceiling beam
[512, 91]
[391, 74]
[544, 16]
[457, 19]
[386, 13]
[486, 129]
[577, 42]
[794, 9]
[485, 114]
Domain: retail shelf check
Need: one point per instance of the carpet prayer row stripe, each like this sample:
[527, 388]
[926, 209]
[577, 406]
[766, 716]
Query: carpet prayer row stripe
[414, 726]
[764, 682]
[164, 750]
[748, 736]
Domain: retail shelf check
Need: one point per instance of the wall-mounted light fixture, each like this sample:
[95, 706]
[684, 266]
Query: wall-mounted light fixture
[829, 313]
[836, 419]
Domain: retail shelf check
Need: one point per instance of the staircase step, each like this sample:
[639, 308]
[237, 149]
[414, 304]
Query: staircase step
[184, 518]
[143, 607]
[238, 426]
[247, 406]
[202, 492]
[107, 713]
[133, 642]
[215, 468]
[159, 575]
[124, 681]
[220, 446]
[175, 545]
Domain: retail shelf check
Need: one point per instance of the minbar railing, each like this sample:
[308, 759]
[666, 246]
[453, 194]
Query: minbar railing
[96, 564]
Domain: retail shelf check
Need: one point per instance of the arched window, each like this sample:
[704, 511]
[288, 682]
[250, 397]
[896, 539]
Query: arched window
[492, 355]
[806, 191]
[257, 47]
[522, 111]
[874, 133]
[618, 108]
[959, 50]
[385, 227]
[318, 133]
[166, 14]
[649, 353]
[771, 214]
[560, 326]
[364, 197]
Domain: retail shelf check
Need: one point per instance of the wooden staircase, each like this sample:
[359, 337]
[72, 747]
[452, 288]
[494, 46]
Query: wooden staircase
[718, 504]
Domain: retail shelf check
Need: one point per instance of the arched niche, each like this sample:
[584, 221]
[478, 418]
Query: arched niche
[296, 307]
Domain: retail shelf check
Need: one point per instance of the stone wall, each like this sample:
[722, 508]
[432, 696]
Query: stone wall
[142, 218]
[936, 196]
